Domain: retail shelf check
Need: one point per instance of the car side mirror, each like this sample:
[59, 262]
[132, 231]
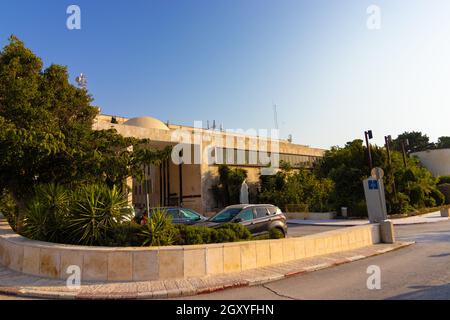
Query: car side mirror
[237, 220]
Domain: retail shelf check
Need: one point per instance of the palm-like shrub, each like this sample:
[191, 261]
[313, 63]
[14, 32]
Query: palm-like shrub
[96, 210]
[46, 214]
[159, 230]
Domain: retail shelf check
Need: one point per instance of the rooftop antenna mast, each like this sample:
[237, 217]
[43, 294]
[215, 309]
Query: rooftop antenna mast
[275, 115]
[81, 81]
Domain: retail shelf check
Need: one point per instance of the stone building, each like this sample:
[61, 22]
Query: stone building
[190, 183]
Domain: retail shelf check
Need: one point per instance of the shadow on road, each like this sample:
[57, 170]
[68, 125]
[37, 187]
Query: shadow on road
[441, 292]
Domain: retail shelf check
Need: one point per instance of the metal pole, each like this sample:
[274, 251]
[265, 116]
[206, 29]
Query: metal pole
[404, 153]
[368, 149]
[147, 201]
[160, 186]
[168, 181]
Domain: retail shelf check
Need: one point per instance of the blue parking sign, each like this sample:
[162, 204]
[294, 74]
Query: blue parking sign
[373, 185]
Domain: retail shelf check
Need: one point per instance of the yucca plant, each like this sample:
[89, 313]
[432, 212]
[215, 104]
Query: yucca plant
[96, 210]
[46, 215]
[159, 230]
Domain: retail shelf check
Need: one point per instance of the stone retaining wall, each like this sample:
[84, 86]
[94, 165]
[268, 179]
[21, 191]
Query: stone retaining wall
[173, 262]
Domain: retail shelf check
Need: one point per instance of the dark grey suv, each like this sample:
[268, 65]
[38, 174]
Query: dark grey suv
[258, 218]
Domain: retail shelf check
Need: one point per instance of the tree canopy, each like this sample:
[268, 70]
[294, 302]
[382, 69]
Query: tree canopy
[347, 166]
[46, 133]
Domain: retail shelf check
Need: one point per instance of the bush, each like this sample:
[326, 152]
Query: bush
[301, 190]
[159, 230]
[240, 231]
[46, 214]
[9, 208]
[194, 235]
[276, 233]
[444, 179]
[127, 234]
[96, 210]
[445, 190]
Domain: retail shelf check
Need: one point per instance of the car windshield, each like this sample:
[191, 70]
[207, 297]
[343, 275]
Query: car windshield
[190, 215]
[225, 215]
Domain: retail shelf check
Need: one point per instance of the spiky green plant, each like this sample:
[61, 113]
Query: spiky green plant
[46, 214]
[96, 210]
[159, 229]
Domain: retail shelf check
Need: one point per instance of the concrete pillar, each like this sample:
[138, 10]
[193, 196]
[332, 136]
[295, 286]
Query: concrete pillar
[387, 234]
[445, 212]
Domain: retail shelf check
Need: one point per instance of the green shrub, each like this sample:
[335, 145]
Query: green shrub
[445, 190]
[240, 231]
[444, 179]
[297, 191]
[9, 208]
[96, 210]
[276, 233]
[126, 234]
[159, 230]
[46, 215]
[194, 235]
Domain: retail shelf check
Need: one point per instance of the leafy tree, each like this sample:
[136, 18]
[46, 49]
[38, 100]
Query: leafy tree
[46, 133]
[443, 143]
[227, 192]
[415, 186]
[296, 188]
[417, 142]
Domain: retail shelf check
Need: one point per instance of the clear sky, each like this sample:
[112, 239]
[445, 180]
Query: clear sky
[229, 60]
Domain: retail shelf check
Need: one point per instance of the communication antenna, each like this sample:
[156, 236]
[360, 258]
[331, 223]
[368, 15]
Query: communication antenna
[275, 116]
[81, 81]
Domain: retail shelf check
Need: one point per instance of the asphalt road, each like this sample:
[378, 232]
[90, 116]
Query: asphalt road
[420, 271]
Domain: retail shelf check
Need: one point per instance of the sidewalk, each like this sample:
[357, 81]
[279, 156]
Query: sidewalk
[425, 218]
[19, 284]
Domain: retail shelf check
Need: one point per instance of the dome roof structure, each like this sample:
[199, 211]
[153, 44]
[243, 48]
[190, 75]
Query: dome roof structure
[146, 122]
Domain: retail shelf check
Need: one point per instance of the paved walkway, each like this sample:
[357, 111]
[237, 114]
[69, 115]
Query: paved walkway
[19, 284]
[425, 218]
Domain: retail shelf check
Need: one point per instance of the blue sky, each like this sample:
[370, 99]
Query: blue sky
[229, 60]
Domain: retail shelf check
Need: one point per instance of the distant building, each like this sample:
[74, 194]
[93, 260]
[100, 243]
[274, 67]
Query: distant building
[191, 184]
[435, 160]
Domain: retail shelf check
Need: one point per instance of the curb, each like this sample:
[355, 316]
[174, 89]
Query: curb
[172, 293]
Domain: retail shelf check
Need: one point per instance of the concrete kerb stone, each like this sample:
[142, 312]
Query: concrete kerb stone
[191, 289]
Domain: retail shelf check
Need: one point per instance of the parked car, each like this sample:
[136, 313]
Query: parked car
[258, 218]
[179, 215]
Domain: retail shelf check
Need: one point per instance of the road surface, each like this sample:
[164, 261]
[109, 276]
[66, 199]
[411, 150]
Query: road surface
[420, 271]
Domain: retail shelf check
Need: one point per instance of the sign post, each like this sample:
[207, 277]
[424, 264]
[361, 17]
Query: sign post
[375, 197]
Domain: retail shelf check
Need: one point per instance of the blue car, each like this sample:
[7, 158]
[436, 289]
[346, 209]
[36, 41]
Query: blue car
[179, 215]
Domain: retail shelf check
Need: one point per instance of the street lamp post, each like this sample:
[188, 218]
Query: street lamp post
[404, 143]
[368, 135]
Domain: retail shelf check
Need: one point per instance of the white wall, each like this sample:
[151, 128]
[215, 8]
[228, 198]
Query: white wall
[437, 161]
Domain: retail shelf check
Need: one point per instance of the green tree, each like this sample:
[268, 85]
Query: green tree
[417, 142]
[443, 143]
[415, 187]
[46, 133]
[301, 189]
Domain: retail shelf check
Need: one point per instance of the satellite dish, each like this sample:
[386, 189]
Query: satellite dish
[377, 173]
